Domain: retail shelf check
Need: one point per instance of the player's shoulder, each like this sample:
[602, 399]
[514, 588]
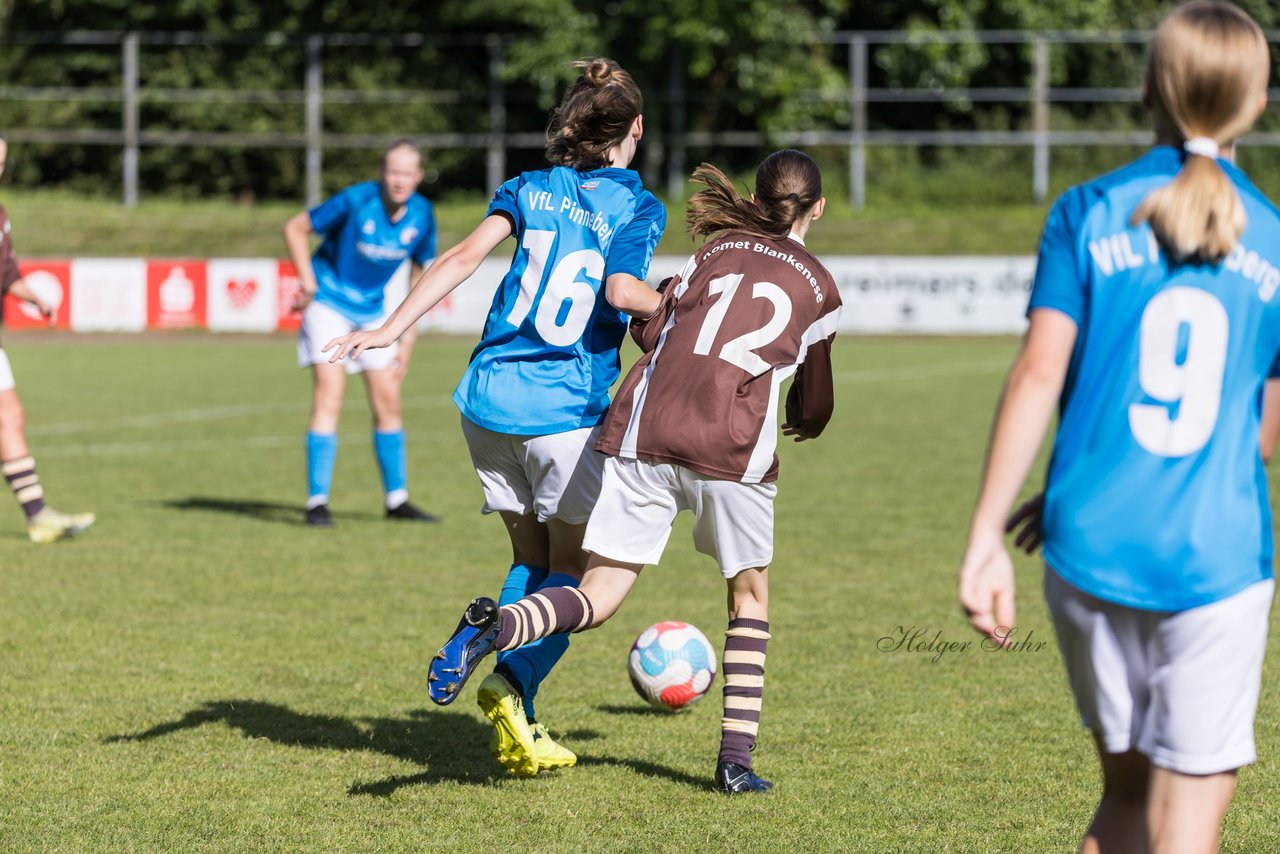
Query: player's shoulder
[1262, 213]
[362, 193]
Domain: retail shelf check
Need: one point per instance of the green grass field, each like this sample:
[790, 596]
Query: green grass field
[201, 672]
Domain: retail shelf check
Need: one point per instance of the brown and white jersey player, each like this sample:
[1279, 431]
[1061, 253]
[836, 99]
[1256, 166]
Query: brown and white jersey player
[745, 314]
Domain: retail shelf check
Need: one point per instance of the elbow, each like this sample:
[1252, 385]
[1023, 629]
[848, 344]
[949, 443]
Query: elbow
[1036, 373]
[631, 296]
[1267, 449]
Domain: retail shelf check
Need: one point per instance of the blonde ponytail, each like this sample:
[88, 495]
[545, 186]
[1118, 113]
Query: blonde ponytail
[1206, 76]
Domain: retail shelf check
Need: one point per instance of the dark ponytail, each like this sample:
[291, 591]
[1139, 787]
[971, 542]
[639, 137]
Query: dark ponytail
[595, 114]
[788, 185]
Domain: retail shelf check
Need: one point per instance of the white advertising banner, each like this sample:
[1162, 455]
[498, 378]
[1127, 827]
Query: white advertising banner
[243, 294]
[946, 295]
[965, 295]
[109, 294]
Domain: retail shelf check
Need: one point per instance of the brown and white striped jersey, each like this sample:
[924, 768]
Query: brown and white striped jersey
[8, 260]
[744, 315]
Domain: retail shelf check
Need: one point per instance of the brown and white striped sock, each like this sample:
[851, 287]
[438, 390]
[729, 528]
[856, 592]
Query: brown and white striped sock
[745, 644]
[550, 611]
[25, 483]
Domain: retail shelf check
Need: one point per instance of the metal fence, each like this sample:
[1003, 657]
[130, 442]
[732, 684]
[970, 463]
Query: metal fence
[669, 148]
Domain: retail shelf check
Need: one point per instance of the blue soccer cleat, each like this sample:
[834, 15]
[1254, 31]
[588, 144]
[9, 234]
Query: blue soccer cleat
[733, 779]
[471, 641]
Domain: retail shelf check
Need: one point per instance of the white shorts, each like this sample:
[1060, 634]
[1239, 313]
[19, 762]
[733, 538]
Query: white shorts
[555, 476]
[1181, 688]
[733, 522]
[321, 324]
[6, 372]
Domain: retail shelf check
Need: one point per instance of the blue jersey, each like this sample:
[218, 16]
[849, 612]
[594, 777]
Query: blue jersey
[549, 352]
[1156, 497]
[362, 248]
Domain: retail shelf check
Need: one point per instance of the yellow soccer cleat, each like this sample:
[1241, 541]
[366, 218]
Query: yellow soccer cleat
[550, 754]
[49, 525]
[512, 742]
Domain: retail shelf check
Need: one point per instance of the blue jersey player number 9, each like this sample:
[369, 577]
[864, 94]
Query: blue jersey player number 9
[1189, 389]
[568, 301]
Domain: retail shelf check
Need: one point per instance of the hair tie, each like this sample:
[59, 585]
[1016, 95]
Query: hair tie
[1203, 146]
[795, 197]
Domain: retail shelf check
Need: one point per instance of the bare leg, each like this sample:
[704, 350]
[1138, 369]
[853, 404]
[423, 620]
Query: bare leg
[606, 584]
[565, 548]
[1184, 811]
[384, 399]
[1119, 823]
[13, 440]
[329, 384]
[529, 539]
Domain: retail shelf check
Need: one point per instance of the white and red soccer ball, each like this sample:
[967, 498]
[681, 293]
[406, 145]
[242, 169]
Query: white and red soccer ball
[672, 664]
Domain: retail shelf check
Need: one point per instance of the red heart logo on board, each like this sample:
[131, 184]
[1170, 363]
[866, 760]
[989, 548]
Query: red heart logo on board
[241, 292]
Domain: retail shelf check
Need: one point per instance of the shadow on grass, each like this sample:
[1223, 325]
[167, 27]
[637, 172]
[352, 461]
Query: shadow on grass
[265, 511]
[650, 769]
[451, 747]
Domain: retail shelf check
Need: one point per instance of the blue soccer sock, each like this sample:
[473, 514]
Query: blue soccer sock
[322, 452]
[532, 663]
[393, 461]
[522, 579]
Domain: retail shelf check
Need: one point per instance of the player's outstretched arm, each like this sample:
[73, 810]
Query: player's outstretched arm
[20, 290]
[448, 271]
[1031, 392]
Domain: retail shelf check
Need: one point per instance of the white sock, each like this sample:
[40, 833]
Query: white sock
[396, 497]
[316, 500]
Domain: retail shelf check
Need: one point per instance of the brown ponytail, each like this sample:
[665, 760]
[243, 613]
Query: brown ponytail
[595, 114]
[788, 185]
[1206, 75]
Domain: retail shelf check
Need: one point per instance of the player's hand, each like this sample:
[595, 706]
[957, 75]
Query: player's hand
[45, 309]
[986, 587]
[303, 299]
[354, 343]
[794, 430]
[1030, 516]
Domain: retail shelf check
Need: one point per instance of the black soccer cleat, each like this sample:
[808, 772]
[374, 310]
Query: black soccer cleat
[472, 640]
[733, 779]
[319, 516]
[409, 513]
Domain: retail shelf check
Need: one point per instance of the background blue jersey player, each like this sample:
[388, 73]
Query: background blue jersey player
[1154, 325]
[368, 232]
[537, 388]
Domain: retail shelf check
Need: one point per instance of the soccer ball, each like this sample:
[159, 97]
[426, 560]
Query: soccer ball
[672, 664]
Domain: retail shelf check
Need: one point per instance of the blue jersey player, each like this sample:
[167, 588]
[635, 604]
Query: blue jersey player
[537, 388]
[368, 231]
[1154, 326]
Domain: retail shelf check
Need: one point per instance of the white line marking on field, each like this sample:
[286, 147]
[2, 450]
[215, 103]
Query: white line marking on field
[115, 449]
[194, 416]
[163, 419]
[922, 372]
